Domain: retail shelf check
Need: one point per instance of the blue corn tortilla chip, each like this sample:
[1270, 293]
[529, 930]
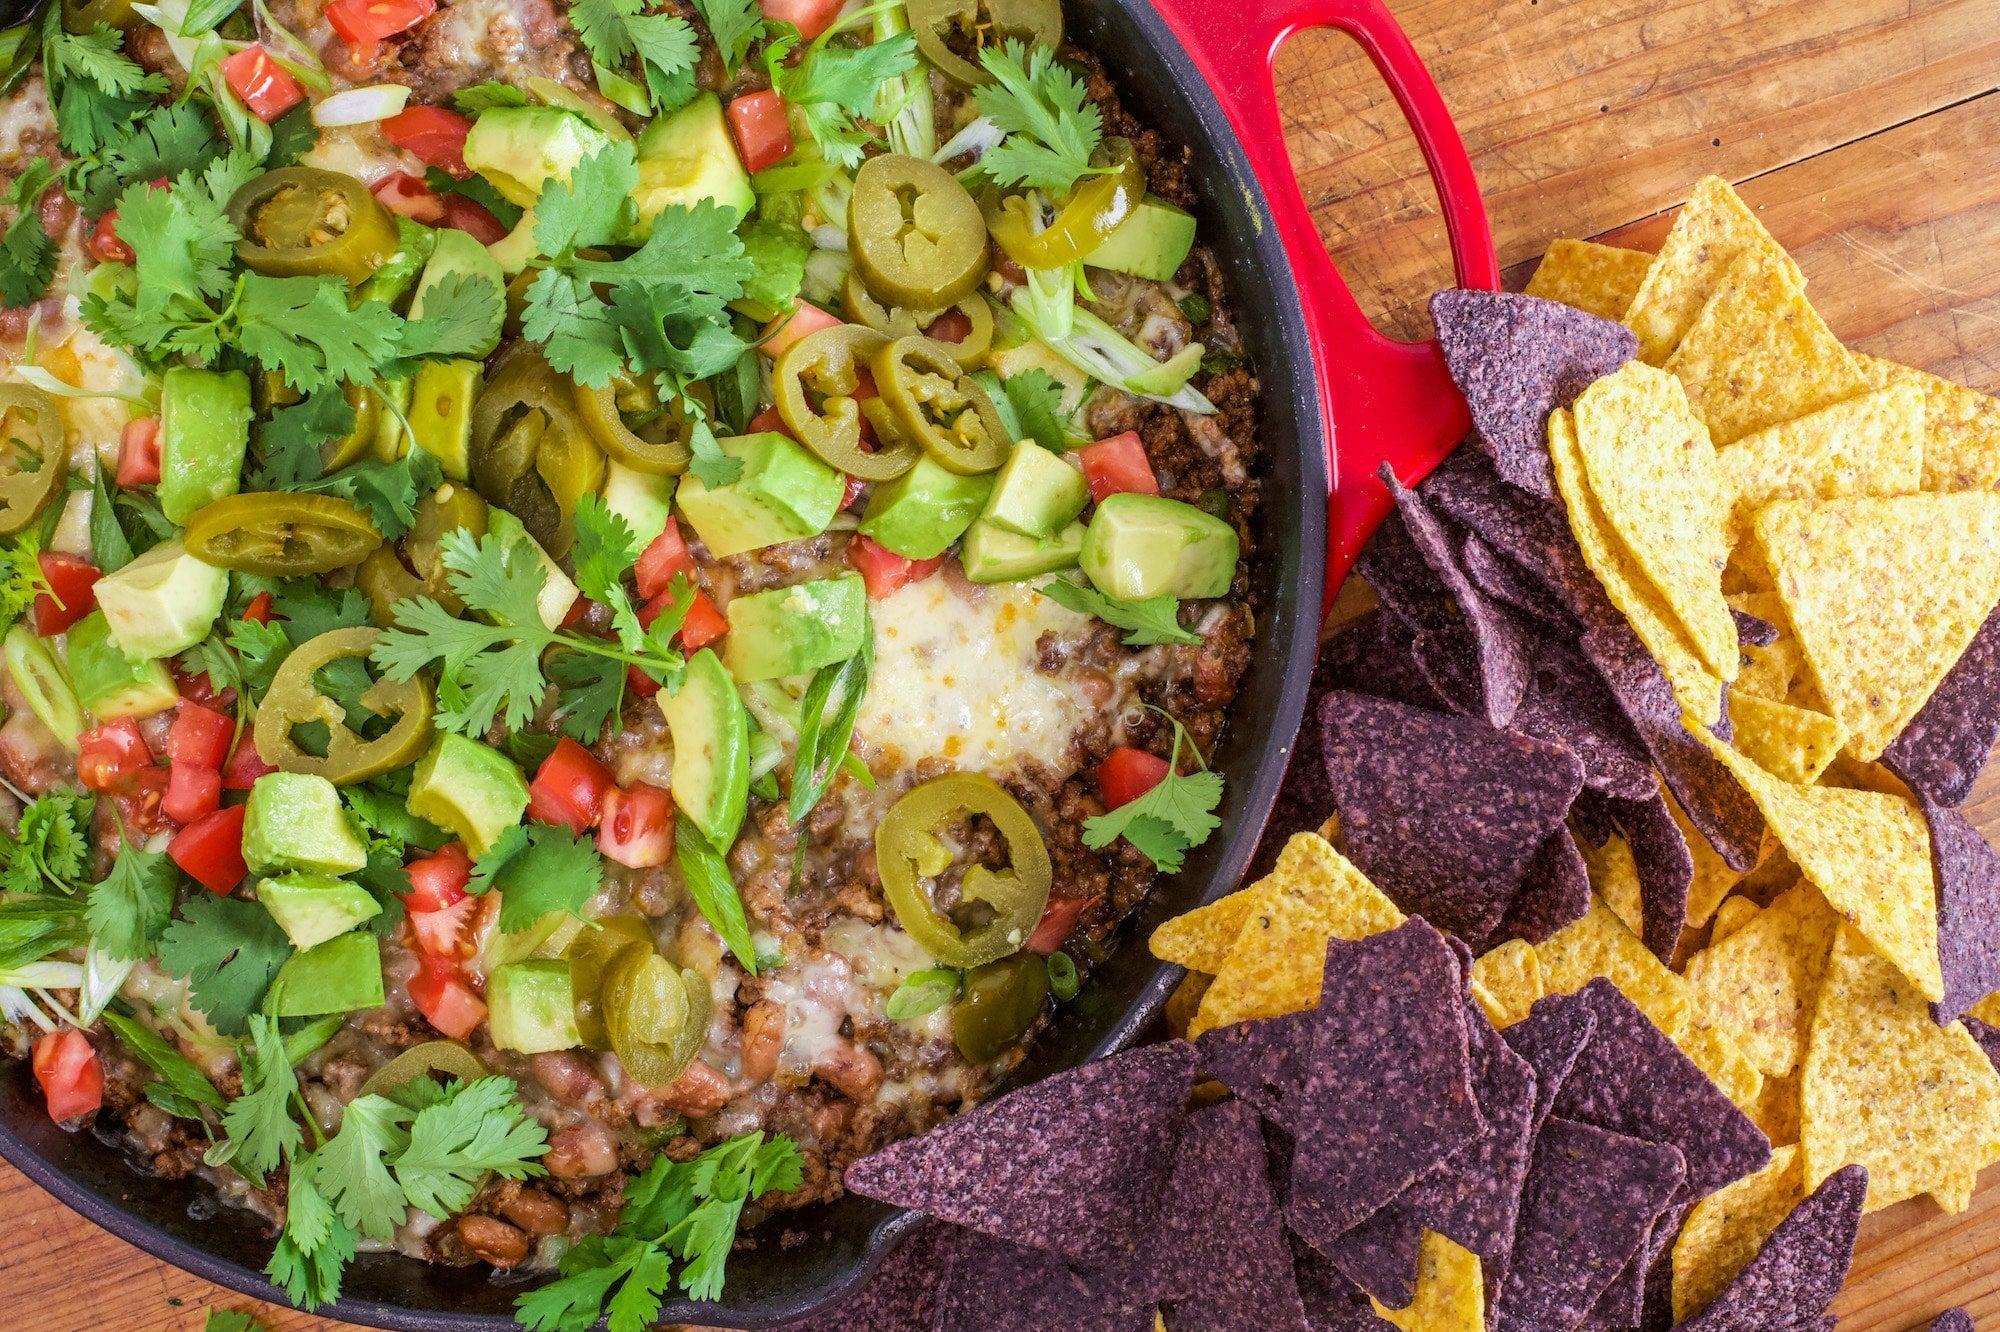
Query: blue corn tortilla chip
[1944, 747]
[1503, 647]
[1715, 803]
[901, 1293]
[1623, 1305]
[1591, 817]
[1988, 1038]
[1389, 1092]
[1073, 1164]
[1499, 578]
[1632, 1079]
[1567, 703]
[1952, 1320]
[1550, 1039]
[1554, 892]
[1801, 1267]
[1379, 1255]
[1516, 359]
[1441, 642]
[1532, 532]
[990, 1285]
[1666, 870]
[1590, 1202]
[1268, 1063]
[1966, 871]
[1442, 813]
[1229, 1239]
[1332, 1302]
[1753, 630]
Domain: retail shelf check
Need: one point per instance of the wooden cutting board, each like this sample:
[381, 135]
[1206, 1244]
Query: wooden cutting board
[1867, 135]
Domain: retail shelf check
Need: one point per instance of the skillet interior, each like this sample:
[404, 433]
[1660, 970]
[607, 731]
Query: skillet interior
[180, 1222]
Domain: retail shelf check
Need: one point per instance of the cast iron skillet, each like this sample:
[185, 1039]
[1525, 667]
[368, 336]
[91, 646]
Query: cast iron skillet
[1199, 70]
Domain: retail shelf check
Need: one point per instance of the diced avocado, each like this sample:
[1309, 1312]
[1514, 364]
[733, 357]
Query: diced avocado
[342, 975]
[40, 679]
[295, 821]
[794, 630]
[457, 252]
[784, 494]
[163, 602]
[711, 734]
[441, 411]
[531, 1007]
[559, 593]
[513, 250]
[687, 157]
[109, 683]
[1142, 546]
[994, 555]
[400, 271]
[392, 441]
[1036, 494]
[312, 908]
[469, 789]
[517, 148]
[924, 510]
[551, 933]
[204, 430]
[1152, 243]
[643, 500]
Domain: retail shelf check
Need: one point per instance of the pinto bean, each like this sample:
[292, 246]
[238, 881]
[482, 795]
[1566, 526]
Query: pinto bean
[565, 1075]
[587, 1149]
[852, 1069]
[537, 1213]
[763, 1040]
[697, 1092]
[491, 1239]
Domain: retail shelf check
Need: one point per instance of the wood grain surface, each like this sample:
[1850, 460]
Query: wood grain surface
[1866, 133]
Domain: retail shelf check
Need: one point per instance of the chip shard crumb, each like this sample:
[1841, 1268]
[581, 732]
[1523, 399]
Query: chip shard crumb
[1597, 279]
[1952, 1320]
[1711, 231]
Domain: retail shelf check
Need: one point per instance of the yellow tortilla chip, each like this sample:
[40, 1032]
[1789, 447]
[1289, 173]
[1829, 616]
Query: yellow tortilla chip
[1654, 473]
[1869, 445]
[1883, 595]
[1614, 876]
[1712, 230]
[1767, 671]
[1697, 691]
[1987, 1010]
[1961, 427]
[1185, 1002]
[1278, 958]
[1776, 1110]
[1885, 1086]
[1760, 354]
[1725, 1230]
[1509, 981]
[1451, 1292]
[1758, 984]
[1716, 1053]
[1792, 744]
[1868, 853]
[1602, 279]
[1200, 940]
[1731, 916]
[1713, 878]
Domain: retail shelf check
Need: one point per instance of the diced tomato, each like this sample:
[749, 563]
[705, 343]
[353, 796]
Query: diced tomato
[855, 485]
[638, 826]
[1118, 465]
[577, 610]
[259, 608]
[72, 1079]
[112, 756]
[191, 793]
[883, 571]
[245, 766]
[438, 880]
[1058, 919]
[792, 325]
[140, 802]
[442, 933]
[139, 451]
[768, 419]
[463, 214]
[265, 86]
[199, 689]
[361, 22]
[664, 556]
[1127, 773]
[810, 17]
[435, 134]
[640, 683]
[951, 326]
[703, 625]
[569, 787]
[210, 850]
[199, 737]
[104, 245]
[74, 581]
[445, 1000]
[763, 136]
[402, 193]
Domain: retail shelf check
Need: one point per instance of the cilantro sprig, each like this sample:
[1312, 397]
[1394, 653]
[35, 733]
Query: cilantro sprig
[27, 255]
[1169, 820]
[683, 1212]
[835, 88]
[51, 847]
[537, 869]
[229, 950]
[1050, 128]
[129, 910]
[614, 31]
[1148, 621]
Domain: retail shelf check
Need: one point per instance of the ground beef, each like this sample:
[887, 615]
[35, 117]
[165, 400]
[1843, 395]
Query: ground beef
[1166, 164]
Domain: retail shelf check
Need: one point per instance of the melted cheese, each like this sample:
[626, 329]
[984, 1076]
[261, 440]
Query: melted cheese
[956, 678]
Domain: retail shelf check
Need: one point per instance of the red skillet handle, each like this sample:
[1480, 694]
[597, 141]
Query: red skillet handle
[1386, 401]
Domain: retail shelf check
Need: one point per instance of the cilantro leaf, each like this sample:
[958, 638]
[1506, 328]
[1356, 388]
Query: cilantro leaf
[351, 1170]
[182, 244]
[27, 255]
[229, 949]
[477, 189]
[462, 314]
[288, 445]
[734, 24]
[477, 1127]
[229, 1320]
[696, 249]
[539, 868]
[593, 207]
[131, 907]
[593, 691]
[98, 56]
[1149, 621]
[259, 1122]
[389, 492]
[834, 87]
[1050, 127]
[1168, 820]
[178, 1071]
[108, 542]
[51, 845]
[293, 135]
[166, 141]
[576, 329]
[315, 1247]
[574, 1302]
[1036, 398]
[485, 96]
[605, 548]
[304, 328]
[711, 464]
